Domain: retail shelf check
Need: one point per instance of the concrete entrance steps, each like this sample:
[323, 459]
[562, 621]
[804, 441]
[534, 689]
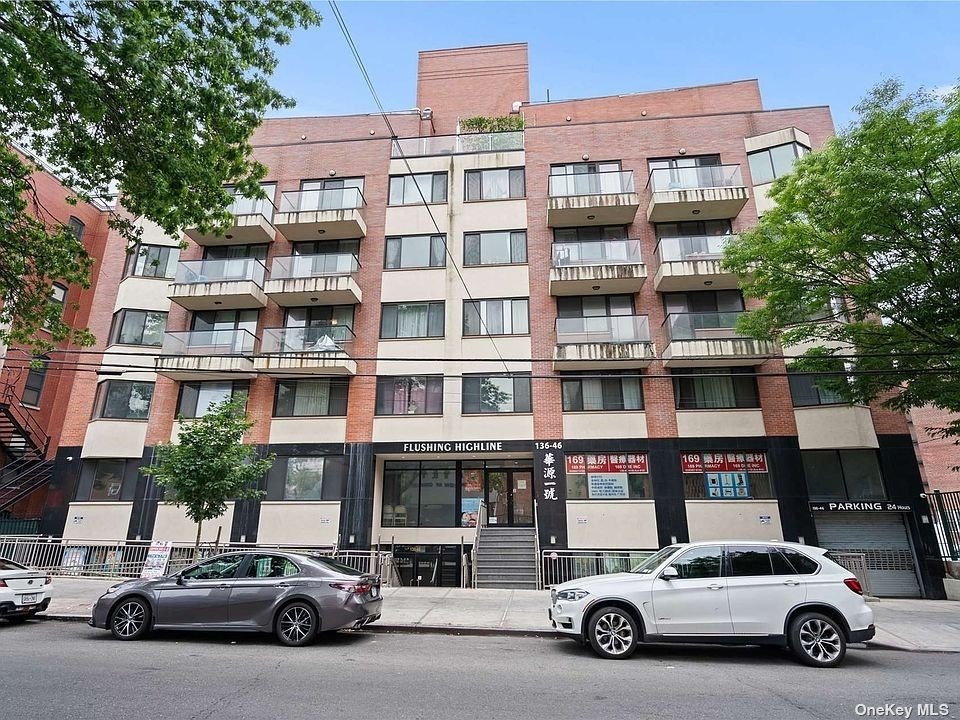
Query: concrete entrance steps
[507, 558]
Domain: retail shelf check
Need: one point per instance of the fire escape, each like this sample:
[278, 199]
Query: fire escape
[25, 445]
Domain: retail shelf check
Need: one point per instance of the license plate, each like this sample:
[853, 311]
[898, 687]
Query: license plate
[28, 599]
[374, 591]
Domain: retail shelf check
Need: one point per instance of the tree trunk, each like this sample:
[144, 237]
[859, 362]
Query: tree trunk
[196, 545]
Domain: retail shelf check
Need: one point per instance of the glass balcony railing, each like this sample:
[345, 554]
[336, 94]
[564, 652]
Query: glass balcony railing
[695, 178]
[603, 329]
[599, 183]
[211, 271]
[310, 266]
[597, 252]
[252, 206]
[458, 144]
[692, 247]
[314, 339]
[702, 325]
[209, 342]
[316, 200]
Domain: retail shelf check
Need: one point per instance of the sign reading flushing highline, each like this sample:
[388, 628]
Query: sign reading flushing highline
[454, 447]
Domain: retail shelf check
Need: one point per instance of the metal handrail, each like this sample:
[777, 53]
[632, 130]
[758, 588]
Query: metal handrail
[11, 401]
[536, 541]
[481, 521]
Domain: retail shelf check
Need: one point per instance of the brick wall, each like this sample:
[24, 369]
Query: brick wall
[937, 456]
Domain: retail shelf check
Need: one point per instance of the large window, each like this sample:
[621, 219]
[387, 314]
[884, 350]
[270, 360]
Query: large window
[411, 320]
[235, 252]
[304, 480]
[725, 476]
[613, 391]
[419, 494]
[589, 178]
[808, 390]
[311, 398]
[210, 320]
[138, 327]
[157, 261]
[704, 301]
[415, 251]
[608, 476]
[499, 184]
[123, 400]
[496, 317]
[411, 395]
[502, 247]
[594, 306]
[496, 394]
[349, 246]
[197, 397]
[768, 164]
[107, 480]
[36, 377]
[319, 316]
[715, 388]
[843, 475]
[407, 189]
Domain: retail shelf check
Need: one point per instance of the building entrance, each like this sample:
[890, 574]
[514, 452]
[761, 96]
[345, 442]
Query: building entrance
[509, 497]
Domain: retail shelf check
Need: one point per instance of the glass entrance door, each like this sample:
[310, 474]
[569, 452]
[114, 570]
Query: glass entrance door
[509, 497]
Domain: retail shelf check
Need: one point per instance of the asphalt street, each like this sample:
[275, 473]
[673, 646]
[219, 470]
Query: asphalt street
[72, 672]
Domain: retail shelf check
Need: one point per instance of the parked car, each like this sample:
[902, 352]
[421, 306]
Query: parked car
[727, 592]
[23, 592]
[292, 595]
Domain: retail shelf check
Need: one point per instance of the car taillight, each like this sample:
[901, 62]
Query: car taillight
[48, 580]
[355, 588]
[3, 583]
[854, 585]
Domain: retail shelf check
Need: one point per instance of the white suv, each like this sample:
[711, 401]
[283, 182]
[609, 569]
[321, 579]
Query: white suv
[727, 592]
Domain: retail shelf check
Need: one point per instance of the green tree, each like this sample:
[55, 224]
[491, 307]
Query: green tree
[155, 100]
[860, 258]
[210, 464]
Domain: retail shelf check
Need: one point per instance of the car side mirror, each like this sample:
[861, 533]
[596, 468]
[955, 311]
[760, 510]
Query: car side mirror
[669, 573]
[179, 579]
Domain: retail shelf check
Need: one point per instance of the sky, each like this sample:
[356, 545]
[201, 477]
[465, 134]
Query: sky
[803, 53]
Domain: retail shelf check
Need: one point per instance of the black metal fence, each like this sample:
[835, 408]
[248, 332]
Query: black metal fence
[945, 512]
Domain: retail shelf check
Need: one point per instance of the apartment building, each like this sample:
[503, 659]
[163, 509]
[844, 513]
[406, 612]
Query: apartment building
[526, 334]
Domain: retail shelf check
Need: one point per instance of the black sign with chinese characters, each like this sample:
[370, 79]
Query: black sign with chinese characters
[550, 484]
[859, 506]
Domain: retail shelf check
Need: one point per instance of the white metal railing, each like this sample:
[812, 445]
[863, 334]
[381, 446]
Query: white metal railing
[309, 266]
[191, 272]
[603, 329]
[692, 247]
[612, 182]
[464, 143]
[560, 566]
[536, 542]
[596, 252]
[695, 178]
[481, 522]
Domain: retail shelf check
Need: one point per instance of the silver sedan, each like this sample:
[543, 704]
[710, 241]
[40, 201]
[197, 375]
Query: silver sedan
[292, 595]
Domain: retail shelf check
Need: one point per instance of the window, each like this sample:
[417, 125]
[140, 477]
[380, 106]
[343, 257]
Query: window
[221, 568]
[407, 189]
[753, 561]
[693, 228]
[412, 395]
[704, 301]
[505, 247]
[725, 476]
[415, 251]
[36, 377]
[235, 252]
[420, 494]
[76, 226]
[330, 194]
[808, 390]
[327, 247]
[58, 298]
[157, 261]
[701, 562]
[496, 317]
[311, 398]
[594, 306]
[271, 566]
[496, 394]
[589, 178]
[226, 320]
[771, 163]
[319, 316]
[411, 320]
[123, 400]
[197, 397]
[603, 476]
[613, 392]
[843, 475]
[800, 563]
[715, 388]
[593, 233]
[499, 184]
[304, 479]
[138, 327]
[107, 480]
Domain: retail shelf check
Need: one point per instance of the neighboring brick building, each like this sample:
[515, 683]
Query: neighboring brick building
[938, 456]
[614, 409]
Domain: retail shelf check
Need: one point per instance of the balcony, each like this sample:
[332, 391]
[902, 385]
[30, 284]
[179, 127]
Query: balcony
[602, 266]
[300, 280]
[710, 340]
[207, 355]
[603, 342]
[321, 215]
[464, 144]
[710, 192]
[692, 262]
[602, 198]
[233, 284]
[298, 351]
[251, 225]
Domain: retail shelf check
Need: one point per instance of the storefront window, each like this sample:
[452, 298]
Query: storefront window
[471, 493]
[843, 475]
[304, 478]
[613, 476]
[726, 476]
[107, 480]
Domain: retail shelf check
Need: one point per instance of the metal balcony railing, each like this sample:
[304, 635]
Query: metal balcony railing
[315, 339]
[457, 144]
[309, 266]
[211, 271]
[692, 247]
[347, 198]
[596, 252]
[209, 342]
[598, 183]
[604, 329]
[695, 178]
[702, 325]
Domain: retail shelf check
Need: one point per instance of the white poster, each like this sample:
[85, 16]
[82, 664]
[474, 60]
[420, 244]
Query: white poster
[607, 485]
[157, 557]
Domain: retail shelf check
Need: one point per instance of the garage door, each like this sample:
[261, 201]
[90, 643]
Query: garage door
[883, 539]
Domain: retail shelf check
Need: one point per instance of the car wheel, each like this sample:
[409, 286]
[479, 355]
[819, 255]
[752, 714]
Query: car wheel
[817, 640]
[613, 633]
[130, 619]
[297, 624]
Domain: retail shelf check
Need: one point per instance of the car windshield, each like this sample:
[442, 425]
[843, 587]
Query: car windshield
[339, 567]
[653, 562]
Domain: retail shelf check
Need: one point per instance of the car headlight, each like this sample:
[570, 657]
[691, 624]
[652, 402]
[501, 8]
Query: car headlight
[113, 588]
[572, 595]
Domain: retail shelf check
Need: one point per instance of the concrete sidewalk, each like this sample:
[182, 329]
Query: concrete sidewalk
[916, 625]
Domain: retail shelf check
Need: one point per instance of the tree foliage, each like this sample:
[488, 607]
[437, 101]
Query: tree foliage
[156, 100]
[868, 226]
[210, 465]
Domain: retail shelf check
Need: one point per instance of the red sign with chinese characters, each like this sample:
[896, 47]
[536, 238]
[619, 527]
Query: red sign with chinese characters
[757, 462]
[602, 462]
[576, 464]
[691, 463]
[723, 462]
